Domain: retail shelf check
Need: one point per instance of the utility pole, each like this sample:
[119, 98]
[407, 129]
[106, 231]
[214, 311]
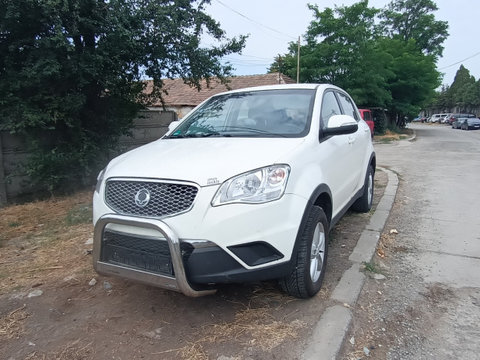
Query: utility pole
[298, 61]
[279, 68]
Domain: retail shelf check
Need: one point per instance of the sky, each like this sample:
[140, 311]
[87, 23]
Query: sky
[273, 24]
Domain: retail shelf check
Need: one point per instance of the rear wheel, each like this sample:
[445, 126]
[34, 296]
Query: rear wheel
[364, 203]
[306, 278]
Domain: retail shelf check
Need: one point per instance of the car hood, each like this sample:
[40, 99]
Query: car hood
[205, 161]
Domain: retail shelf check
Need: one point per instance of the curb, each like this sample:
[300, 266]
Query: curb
[330, 332]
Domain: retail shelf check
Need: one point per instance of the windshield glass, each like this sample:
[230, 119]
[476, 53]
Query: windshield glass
[269, 113]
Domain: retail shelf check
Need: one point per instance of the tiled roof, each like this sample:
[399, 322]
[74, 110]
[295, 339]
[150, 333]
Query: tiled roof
[181, 94]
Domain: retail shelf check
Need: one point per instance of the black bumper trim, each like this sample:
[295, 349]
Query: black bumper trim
[212, 265]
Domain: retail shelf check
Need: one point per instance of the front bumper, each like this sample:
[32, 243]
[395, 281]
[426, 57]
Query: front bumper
[178, 282]
[190, 267]
[208, 245]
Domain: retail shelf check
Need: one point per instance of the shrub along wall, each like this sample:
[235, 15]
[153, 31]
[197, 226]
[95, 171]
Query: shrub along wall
[148, 126]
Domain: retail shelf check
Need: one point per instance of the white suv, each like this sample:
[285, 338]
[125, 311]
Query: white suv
[245, 188]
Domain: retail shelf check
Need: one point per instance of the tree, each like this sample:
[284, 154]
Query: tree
[72, 71]
[391, 64]
[442, 100]
[415, 78]
[463, 89]
[341, 50]
[413, 19]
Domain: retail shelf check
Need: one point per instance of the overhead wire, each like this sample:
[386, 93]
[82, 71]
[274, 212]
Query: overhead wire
[252, 61]
[458, 62]
[255, 22]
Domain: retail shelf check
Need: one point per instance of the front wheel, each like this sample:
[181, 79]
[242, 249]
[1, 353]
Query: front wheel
[306, 278]
[364, 203]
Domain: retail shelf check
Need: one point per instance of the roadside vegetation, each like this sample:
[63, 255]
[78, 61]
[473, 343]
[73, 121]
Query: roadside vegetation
[464, 93]
[71, 74]
[385, 58]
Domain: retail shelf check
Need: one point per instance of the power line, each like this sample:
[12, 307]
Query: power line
[458, 62]
[255, 22]
[256, 57]
[249, 61]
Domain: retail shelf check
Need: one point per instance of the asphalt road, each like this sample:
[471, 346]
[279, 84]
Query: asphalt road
[429, 305]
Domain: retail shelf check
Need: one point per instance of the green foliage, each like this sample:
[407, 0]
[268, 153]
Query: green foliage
[463, 94]
[341, 49]
[387, 65]
[414, 81]
[346, 54]
[413, 20]
[371, 267]
[71, 73]
[380, 121]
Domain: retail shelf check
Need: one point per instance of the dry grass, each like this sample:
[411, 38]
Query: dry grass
[11, 325]
[39, 247]
[72, 351]
[251, 327]
[386, 245]
[390, 135]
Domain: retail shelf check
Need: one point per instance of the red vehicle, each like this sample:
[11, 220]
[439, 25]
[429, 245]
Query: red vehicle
[367, 116]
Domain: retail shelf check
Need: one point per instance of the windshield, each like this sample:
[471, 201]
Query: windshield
[269, 113]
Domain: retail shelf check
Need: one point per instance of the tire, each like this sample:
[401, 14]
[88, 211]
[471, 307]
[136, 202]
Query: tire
[364, 203]
[306, 278]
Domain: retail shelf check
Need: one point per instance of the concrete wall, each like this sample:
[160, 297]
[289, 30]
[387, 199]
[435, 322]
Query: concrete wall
[149, 126]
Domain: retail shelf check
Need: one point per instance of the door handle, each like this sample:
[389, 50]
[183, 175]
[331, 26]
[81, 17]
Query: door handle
[351, 139]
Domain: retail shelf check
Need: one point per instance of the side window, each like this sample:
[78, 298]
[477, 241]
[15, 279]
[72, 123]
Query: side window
[330, 107]
[347, 105]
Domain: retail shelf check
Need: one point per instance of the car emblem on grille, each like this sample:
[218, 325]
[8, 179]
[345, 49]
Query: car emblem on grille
[142, 197]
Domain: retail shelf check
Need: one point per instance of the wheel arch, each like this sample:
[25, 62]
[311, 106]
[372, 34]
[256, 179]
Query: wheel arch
[322, 197]
[373, 161]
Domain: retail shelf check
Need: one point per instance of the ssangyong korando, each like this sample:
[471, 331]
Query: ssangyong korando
[245, 188]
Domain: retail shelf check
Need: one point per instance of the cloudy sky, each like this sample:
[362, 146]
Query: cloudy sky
[272, 24]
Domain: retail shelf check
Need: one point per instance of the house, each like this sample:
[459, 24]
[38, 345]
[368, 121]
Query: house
[182, 98]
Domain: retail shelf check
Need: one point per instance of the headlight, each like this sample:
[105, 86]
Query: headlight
[254, 187]
[99, 180]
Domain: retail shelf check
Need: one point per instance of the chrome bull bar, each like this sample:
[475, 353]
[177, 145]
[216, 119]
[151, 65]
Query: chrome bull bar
[178, 283]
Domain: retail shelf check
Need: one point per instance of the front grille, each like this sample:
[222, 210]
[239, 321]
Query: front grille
[148, 254]
[165, 198]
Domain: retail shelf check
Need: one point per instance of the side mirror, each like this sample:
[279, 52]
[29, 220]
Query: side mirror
[341, 125]
[173, 125]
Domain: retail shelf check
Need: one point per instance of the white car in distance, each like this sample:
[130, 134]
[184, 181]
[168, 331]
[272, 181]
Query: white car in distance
[245, 188]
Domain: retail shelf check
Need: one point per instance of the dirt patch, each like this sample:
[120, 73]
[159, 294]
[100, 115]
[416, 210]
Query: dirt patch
[250, 327]
[54, 306]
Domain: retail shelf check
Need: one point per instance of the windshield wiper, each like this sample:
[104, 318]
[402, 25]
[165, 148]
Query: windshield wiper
[197, 135]
[252, 131]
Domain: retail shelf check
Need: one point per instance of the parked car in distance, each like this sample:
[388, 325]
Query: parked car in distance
[452, 117]
[245, 188]
[436, 118]
[368, 118]
[471, 124]
[420, 119]
[457, 124]
[444, 119]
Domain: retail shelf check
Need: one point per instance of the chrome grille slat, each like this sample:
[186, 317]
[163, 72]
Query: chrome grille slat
[166, 198]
